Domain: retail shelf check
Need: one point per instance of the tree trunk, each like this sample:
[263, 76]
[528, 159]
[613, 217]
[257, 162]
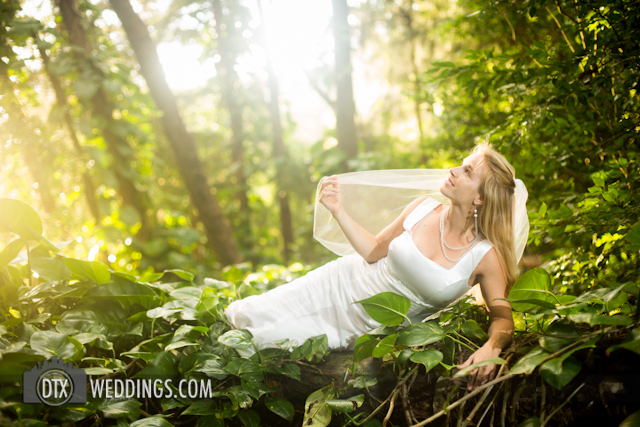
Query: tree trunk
[101, 108]
[219, 233]
[61, 100]
[407, 14]
[30, 141]
[229, 83]
[280, 152]
[345, 106]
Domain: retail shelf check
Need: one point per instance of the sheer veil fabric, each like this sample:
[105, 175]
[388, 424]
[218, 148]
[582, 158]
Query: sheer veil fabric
[374, 199]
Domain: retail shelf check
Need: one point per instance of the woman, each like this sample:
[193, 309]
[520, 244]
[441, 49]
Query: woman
[431, 254]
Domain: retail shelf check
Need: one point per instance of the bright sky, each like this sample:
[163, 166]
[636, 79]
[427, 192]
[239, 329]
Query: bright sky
[299, 35]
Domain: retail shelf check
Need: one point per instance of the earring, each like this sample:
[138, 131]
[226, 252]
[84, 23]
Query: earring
[475, 217]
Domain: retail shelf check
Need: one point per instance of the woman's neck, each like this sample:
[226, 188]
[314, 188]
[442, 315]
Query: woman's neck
[457, 221]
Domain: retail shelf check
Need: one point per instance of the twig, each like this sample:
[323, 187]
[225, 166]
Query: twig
[487, 410]
[405, 405]
[542, 424]
[460, 415]
[391, 406]
[505, 399]
[542, 400]
[375, 411]
[561, 30]
[477, 407]
[464, 399]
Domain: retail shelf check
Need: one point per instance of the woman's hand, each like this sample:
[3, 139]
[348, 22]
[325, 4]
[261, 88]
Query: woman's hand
[330, 194]
[485, 373]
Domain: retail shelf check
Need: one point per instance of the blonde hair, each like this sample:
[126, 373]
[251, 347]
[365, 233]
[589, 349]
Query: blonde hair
[495, 214]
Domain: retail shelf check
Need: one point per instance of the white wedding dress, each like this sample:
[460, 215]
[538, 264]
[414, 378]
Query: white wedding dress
[321, 302]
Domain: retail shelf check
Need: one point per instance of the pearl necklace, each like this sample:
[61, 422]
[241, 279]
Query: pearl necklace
[443, 243]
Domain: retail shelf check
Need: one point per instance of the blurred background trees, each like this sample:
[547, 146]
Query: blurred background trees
[208, 153]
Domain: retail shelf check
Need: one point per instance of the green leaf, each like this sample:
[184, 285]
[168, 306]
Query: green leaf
[125, 292]
[249, 418]
[16, 216]
[162, 366]
[631, 342]
[601, 319]
[534, 284]
[290, 370]
[184, 275]
[387, 308]
[312, 350]
[50, 269]
[155, 421]
[474, 366]
[363, 348]
[316, 411]
[239, 339]
[280, 406]
[116, 408]
[363, 382]
[50, 343]
[385, 346]
[92, 270]
[632, 420]
[530, 422]
[243, 367]
[634, 235]
[202, 407]
[346, 405]
[429, 358]
[560, 371]
[530, 361]
[472, 330]
[420, 334]
[11, 251]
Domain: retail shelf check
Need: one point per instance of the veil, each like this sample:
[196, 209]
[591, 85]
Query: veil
[376, 198]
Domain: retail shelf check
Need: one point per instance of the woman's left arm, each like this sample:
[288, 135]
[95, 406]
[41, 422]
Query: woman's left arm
[493, 286]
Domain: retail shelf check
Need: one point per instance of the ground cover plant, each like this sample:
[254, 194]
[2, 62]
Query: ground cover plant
[163, 326]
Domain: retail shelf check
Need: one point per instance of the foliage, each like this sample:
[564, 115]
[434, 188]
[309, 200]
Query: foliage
[164, 326]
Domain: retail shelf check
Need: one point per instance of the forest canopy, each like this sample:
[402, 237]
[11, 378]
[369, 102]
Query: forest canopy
[159, 159]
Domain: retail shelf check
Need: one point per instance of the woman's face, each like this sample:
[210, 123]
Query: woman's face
[463, 182]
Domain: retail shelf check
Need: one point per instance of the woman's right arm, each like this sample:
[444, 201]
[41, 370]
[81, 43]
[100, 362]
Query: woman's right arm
[370, 247]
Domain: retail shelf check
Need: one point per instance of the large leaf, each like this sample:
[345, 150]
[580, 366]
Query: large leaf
[19, 218]
[155, 421]
[385, 346]
[50, 269]
[50, 343]
[162, 366]
[560, 371]
[363, 348]
[111, 324]
[239, 339]
[92, 270]
[471, 329]
[632, 420]
[474, 366]
[280, 406]
[601, 319]
[125, 292]
[530, 361]
[534, 284]
[420, 334]
[11, 251]
[316, 411]
[387, 308]
[346, 405]
[632, 342]
[312, 350]
[429, 358]
[120, 408]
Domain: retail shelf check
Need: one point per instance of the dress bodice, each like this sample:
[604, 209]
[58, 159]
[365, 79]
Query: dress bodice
[432, 284]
